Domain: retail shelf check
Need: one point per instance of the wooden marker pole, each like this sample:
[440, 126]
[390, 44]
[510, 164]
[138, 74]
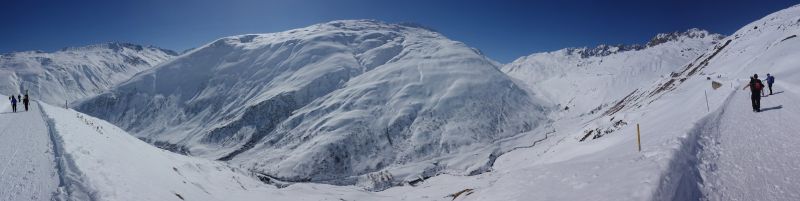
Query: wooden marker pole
[638, 137]
[708, 109]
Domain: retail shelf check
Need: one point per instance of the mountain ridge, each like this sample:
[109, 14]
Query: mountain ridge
[608, 49]
[75, 73]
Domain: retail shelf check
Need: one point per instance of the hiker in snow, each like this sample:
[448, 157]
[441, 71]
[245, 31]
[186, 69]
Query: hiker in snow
[26, 102]
[13, 103]
[770, 80]
[755, 88]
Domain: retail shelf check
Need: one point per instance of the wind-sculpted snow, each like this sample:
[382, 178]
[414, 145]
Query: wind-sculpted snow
[74, 73]
[329, 102]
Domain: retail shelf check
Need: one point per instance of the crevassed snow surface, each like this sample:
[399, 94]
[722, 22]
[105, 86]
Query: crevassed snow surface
[329, 102]
[74, 73]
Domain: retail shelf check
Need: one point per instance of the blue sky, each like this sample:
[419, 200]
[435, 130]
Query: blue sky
[504, 30]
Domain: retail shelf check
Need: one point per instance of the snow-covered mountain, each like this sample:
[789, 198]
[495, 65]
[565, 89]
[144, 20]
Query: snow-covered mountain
[584, 80]
[699, 138]
[76, 72]
[329, 102]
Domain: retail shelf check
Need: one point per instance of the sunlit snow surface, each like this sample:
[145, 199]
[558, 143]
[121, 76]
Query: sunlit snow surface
[330, 102]
[74, 73]
[697, 142]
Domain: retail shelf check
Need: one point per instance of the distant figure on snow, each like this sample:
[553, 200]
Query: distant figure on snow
[13, 103]
[770, 80]
[755, 88]
[26, 101]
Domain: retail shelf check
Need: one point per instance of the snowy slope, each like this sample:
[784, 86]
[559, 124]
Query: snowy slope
[329, 102]
[585, 80]
[698, 141]
[747, 156]
[99, 161]
[27, 168]
[691, 150]
[75, 73]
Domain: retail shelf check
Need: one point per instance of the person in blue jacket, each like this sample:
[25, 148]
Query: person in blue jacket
[13, 103]
[770, 80]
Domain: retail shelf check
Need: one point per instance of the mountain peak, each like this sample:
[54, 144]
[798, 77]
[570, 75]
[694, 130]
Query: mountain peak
[341, 30]
[605, 50]
[674, 36]
[360, 24]
[602, 50]
[118, 46]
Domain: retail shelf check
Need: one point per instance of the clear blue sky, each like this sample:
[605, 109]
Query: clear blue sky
[504, 30]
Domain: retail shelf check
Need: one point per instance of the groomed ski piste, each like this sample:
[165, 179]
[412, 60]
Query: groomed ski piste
[698, 143]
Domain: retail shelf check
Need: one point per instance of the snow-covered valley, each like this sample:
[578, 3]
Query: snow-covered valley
[366, 110]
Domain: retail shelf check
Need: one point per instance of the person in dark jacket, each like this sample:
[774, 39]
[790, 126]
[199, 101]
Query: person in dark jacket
[755, 89]
[26, 102]
[770, 80]
[13, 103]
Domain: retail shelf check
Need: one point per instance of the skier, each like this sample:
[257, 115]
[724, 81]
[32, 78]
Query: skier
[755, 88]
[13, 103]
[26, 101]
[770, 80]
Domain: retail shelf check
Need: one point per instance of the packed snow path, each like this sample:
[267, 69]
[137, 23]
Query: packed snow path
[27, 165]
[752, 156]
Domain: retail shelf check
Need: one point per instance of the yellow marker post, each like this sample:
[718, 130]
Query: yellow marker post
[638, 137]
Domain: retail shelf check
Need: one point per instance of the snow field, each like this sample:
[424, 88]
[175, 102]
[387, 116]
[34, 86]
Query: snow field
[27, 167]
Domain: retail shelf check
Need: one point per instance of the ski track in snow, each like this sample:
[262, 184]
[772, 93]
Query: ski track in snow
[27, 170]
[752, 156]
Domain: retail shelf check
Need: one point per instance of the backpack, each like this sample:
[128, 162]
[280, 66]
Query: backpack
[758, 86]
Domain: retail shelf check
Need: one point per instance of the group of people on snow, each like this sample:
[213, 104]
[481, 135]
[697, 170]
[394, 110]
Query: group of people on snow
[757, 90]
[14, 100]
